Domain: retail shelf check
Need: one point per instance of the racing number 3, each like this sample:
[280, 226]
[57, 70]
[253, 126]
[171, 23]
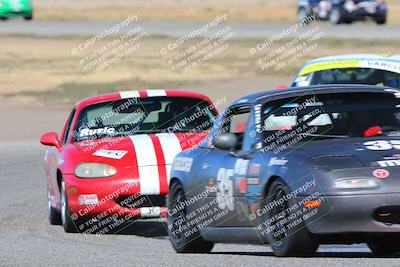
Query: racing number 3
[382, 144]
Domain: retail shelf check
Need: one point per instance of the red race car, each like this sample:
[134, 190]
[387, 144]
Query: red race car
[112, 161]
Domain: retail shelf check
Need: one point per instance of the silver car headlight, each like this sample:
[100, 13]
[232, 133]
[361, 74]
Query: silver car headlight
[94, 170]
[355, 183]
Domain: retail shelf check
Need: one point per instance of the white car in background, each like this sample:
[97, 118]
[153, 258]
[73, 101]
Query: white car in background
[370, 69]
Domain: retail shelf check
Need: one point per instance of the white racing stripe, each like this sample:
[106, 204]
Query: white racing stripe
[147, 162]
[148, 212]
[156, 93]
[129, 94]
[171, 147]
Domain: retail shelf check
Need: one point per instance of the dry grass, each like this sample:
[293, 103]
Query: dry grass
[184, 12]
[49, 71]
[175, 10]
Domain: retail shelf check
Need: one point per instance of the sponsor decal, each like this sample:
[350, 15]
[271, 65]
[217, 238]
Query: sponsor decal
[89, 132]
[382, 65]
[112, 154]
[88, 200]
[382, 144]
[277, 162]
[243, 186]
[257, 118]
[150, 211]
[224, 195]
[240, 185]
[254, 169]
[241, 166]
[253, 181]
[380, 173]
[389, 163]
[183, 164]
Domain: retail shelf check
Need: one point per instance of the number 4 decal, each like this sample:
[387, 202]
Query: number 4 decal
[382, 144]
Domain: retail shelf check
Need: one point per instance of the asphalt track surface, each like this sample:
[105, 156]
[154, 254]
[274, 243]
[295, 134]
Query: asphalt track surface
[365, 31]
[26, 237]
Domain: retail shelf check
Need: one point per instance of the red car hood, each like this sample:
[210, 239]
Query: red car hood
[138, 150]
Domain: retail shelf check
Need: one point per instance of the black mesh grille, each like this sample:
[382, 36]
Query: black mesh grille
[140, 201]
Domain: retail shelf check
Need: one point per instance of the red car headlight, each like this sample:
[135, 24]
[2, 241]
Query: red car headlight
[94, 170]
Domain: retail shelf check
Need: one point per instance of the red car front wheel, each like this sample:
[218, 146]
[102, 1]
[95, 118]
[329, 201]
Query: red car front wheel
[54, 215]
[66, 220]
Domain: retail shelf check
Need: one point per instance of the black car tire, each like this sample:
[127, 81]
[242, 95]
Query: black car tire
[53, 214]
[66, 220]
[297, 240]
[30, 17]
[180, 242]
[384, 247]
[381, 20]
[3, 18]
[348, 21]
[335, 17]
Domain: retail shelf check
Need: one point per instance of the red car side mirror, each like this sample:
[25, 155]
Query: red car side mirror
[50, 139]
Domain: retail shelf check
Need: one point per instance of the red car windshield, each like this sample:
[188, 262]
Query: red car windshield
[144, 116]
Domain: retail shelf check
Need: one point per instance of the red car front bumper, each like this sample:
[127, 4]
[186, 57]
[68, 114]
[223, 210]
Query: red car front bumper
[111, 197]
